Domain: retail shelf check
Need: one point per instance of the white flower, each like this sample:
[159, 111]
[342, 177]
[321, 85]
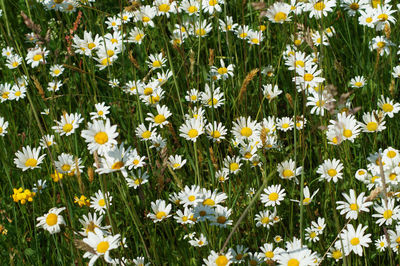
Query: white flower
[101, 244]
[353, 204]
[51, 221]
[28, 158]
[355, 239]
[36, 56]
[160, 211]
[100, 136]
[68, 124]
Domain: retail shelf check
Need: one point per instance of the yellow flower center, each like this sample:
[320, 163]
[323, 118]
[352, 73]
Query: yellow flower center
[222, 70]
[297, 42]
[146, 134]
[105, 61]
[91, 45]
[200, 32]
[391, 154]
[37, 57]
[213, 2]
[51, 219]
[332, 172]
[372, 126]
[176, 165]
[192, 9]
[355, 241]
[246, 132]
[243, 35]
[17, 93]
[209, 202]
[354, 207]
[293, 262]
[265, 220]
[308, 77]
[148, 91]
[193, 133]
[101, 137]
[138, 37]
[320, 103]
[280, 16]
[103, 246]
[383, 17]
[337, 254]
[313, 235]
[269, 254]
[233, 167]
[319, 6]
[102, 203]
[160, 215]
[273, 196]
[156, 63]
[159, 119]
[299, 63]
[117, 165]
[67, 127]
[358, 84]
[381, 44]
[387, 107]
[66, 167]
[191, 198]
[285, 125]
[31, 162]
[255, 41]
[306, 201]
[287, 173]
[212, 101]
[368, 20]
[110, 53]
[15, 64]
[221, 260]
[154, 99]
[145, 19]
[387, 214]
[215, 134]
[347, 133]
[164, 8]
[354, 6]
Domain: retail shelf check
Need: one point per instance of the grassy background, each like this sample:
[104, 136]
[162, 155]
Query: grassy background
[347, 56]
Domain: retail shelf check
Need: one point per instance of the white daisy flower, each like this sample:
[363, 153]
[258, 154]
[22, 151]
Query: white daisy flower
[100, 136]
[36, 56]
[28, 158]
[101, 244]
[160, 211]
[67, 124]
[353, 204]
[99, 201]
[355, 239]
[52, 220]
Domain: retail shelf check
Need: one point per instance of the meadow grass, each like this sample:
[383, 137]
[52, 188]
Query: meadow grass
[346, 56]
